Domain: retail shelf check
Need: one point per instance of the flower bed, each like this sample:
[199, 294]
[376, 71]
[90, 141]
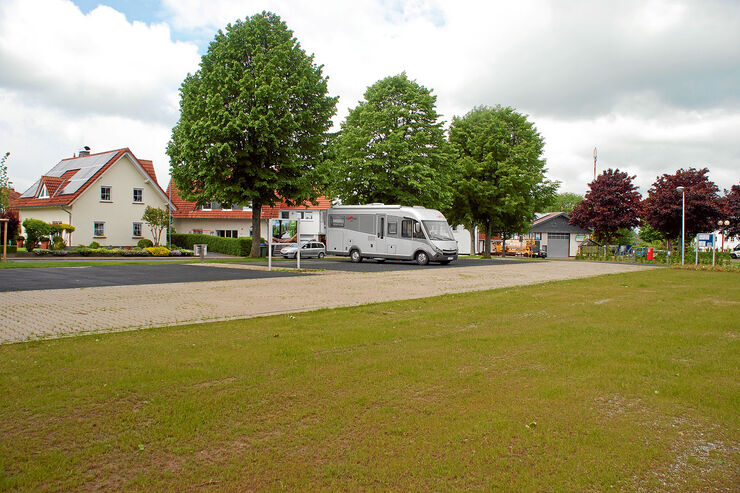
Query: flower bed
[84, 251]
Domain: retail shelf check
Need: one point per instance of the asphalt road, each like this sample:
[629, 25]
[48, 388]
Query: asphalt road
[122, 275]
[344, 264]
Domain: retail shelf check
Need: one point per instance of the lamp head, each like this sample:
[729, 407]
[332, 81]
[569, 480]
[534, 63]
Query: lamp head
[680, 189]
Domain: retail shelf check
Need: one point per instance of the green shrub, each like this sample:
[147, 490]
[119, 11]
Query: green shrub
[239, 247]
[59, 243]
[11, 249]
[35, 229]
[159, 251]
[145, 243]
[94, 244]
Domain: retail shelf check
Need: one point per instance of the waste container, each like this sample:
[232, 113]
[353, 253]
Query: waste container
[650, 254]
[200, 249]
[263, 250]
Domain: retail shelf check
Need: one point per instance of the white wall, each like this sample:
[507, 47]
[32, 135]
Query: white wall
[209, 226]
[121, 212]
[462, 236]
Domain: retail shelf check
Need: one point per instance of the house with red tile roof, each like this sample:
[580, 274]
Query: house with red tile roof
[235, 220]
[102, 195]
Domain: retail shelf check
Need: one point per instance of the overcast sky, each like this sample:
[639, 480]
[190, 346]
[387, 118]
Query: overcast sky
[655, 85]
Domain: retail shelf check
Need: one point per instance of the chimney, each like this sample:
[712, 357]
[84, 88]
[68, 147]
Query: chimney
[85, 151]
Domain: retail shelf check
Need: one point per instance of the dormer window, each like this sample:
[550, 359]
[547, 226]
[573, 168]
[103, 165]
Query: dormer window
[43, 193]
[105, 194]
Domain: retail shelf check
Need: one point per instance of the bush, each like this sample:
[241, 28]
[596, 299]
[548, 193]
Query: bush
[94, 244]
[145, 243]
[239, 247]
[59, 253]
[159, 251]
[41, 252]
[35, 229]
[59, 243]
[11, 249]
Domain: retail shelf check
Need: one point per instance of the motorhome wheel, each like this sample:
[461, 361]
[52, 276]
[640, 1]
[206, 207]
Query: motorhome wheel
[422, 258]
[355, 256]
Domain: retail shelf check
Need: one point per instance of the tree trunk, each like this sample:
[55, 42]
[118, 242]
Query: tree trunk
[503, 244]
[256, 226]
[472, 239]
[487, 247]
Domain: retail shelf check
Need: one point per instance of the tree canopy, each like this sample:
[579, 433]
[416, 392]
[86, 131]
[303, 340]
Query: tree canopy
[499, 179]
[612, 203]
[158, 220]
[253, 120]
[392, 148]
[563, 202]
[5, 183]
[731, 211]
[661, 209]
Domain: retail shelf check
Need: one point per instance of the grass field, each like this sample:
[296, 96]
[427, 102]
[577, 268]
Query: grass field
[625, 382]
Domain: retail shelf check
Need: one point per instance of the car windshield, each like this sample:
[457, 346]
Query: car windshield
[438, 230]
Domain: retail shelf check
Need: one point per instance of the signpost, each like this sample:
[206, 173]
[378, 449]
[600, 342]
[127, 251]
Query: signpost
[704, 240]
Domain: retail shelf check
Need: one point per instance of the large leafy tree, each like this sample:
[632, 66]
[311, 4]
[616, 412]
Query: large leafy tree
[253, 120]
[392, 148]
[661, 209]
[499, 179]
[612, 203]
[5, 183]
[731, 211]
[563, 202]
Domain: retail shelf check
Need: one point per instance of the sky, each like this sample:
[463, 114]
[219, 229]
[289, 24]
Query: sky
[653, 85]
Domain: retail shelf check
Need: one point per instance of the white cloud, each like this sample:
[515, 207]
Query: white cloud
[71, 79]
[652, 83]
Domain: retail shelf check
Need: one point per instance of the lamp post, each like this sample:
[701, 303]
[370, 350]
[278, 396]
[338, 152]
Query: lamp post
[595, 155]
[683, 218]
[724, 223]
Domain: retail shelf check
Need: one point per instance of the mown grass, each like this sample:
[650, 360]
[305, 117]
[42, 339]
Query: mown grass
[628, 382]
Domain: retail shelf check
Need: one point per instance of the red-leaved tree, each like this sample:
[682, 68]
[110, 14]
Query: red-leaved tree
[662, 207]
[611, 203]
[731, 211]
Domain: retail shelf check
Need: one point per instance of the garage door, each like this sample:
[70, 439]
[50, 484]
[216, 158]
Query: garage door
[558, 245]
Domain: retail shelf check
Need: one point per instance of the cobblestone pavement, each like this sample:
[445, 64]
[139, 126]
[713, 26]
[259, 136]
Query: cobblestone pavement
[44, 314]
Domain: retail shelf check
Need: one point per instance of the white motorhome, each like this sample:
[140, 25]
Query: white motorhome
[395, 232]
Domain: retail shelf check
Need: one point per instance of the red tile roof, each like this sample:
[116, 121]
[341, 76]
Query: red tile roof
[12, 197]
[186, 209]
[55, 185]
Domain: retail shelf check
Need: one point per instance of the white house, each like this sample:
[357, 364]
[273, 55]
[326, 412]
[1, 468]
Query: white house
[102, 195]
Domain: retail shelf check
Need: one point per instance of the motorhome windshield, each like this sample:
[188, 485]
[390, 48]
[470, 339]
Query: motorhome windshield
[439, 230]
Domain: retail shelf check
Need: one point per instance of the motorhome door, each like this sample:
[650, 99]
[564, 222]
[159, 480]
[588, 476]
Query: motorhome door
[380, 246]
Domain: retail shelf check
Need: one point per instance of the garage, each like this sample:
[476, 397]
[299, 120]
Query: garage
[556, 235]
[558, 245]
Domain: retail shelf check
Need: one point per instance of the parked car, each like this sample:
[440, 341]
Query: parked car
[309, 249]
[735, 252]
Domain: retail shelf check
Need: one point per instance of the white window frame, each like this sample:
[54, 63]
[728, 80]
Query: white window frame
[110, 193]
[95, 232]
[133, 196]
[133, 229]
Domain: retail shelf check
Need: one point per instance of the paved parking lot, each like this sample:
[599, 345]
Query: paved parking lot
[122, 275]
[46, 313]
[344, 264]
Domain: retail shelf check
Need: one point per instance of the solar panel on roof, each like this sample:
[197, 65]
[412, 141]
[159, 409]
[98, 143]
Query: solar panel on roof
[31, 192]
[87, 167]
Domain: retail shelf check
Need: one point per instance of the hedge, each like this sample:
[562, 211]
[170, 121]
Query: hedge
[10, 249]
[240, 247]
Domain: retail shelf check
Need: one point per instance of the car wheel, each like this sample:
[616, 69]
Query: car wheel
[422, 258]
[321, 255]
[355, 256]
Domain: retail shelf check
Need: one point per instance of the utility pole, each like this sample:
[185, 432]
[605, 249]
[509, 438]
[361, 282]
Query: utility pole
[595, 155]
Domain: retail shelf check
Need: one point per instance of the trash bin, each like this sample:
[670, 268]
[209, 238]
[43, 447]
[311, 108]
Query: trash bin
[263, 250]
[650, 254]
[200, 249]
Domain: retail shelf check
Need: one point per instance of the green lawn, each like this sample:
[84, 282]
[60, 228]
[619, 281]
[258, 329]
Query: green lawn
[625, 382]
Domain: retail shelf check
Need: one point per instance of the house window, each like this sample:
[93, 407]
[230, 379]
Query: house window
[43, 194]
[227, 233]
[105, 194]
[285, 214]
[137, 229]
[138, 195]
[99, 228]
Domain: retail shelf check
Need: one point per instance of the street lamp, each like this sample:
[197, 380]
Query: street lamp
[683, 218]
[724, 223]
[595, 154]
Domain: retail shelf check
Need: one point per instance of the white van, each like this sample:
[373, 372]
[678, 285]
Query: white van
[393, 232]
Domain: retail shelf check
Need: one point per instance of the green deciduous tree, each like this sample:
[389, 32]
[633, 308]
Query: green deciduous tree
[499, 178]
[5, 183]
[392, 148]
[157, 220]
[253, 120]
[563, 202]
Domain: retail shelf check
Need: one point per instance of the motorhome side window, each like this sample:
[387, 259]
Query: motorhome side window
[392, 227]
[336, 221]
[406, 228]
